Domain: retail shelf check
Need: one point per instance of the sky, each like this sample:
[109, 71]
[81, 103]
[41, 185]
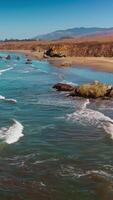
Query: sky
[29, 18]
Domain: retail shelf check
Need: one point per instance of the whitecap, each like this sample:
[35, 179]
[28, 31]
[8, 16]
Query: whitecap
[2, 97]
[9, 100]
[4, 70]
[13, 133]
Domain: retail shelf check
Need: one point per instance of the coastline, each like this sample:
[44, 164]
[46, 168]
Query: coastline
[97, 63]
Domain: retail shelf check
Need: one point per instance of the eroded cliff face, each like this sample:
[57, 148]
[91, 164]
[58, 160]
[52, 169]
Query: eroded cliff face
[63, 49]
[83, 49]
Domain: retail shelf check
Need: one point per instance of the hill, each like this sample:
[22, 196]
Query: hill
[74, 33]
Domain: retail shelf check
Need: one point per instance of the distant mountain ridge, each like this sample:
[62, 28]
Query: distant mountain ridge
[74, 33]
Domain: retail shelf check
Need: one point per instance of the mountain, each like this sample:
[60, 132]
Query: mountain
[74, 33]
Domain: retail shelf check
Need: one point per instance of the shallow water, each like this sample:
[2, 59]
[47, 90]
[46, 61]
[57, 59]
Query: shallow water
[57, 148]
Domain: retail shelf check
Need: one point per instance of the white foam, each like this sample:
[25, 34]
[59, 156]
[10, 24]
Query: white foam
[93, 172]
[69, 83]
[70, 171]
[4, 70]
[44, 161]
[95, 118]
[9, 100]
[100, 173]
[2, 97]
[13, 133]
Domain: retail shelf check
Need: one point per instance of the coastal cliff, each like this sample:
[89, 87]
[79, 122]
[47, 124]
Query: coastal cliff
[70, 48]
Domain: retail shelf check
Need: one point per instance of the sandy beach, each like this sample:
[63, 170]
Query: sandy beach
[97, 63]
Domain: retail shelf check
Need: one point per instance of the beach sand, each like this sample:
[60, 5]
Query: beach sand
[98, 63]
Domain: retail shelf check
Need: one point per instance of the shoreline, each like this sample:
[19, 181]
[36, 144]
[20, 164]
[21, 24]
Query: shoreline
[98, 63]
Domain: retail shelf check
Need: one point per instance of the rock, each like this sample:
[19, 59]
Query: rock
[51, 52]
[93, 90]
[111, 93]
[18, 58]
[45, 56]
[90, 90]
[63, 87]
[29, 61]
[8, 57]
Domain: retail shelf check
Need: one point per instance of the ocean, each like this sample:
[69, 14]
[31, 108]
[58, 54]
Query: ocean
[52, 146]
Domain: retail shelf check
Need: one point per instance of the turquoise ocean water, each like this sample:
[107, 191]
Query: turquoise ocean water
[57, 149]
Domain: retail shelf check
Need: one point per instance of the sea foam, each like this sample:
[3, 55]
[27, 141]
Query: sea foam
[91, 117]
[13, 133]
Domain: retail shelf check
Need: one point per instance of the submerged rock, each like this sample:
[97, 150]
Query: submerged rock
[8, 57]
[29, 61]
[18, 58]
[94, 90]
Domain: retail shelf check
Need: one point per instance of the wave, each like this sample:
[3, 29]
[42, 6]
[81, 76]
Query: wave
[11, 100]
[13, 133]
[69, 83]
[86, 116]
[2, 97]
[4, 70]
[93, 172]
[71, 172]
[43, 71]
[48, 160]
[8, 100]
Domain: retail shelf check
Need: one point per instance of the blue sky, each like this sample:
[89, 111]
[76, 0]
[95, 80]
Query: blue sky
[27, 18]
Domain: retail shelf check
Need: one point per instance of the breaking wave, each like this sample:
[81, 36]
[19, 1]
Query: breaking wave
[8, 100]
[86, 116]
[4, 70]
[69, 83]
[13, 133]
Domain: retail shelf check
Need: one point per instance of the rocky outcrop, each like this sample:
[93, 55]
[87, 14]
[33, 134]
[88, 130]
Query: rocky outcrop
[93, 90]
[53, 52]
[63, 87]
[90, 90]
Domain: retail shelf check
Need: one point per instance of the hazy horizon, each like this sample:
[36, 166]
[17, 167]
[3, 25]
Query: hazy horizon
[26, 19]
